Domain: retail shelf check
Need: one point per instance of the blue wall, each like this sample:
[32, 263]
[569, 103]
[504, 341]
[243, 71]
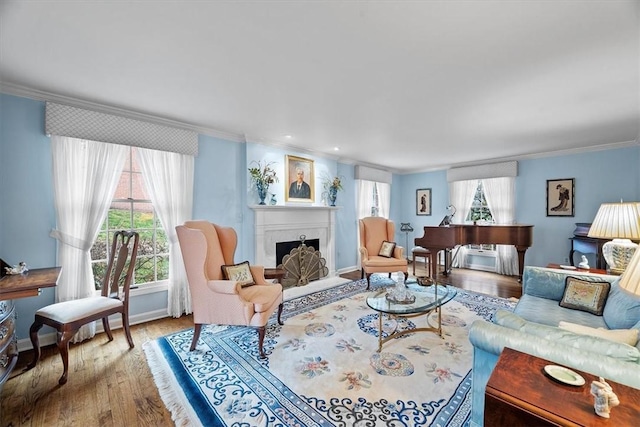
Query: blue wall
[222, 194]
[602, 176]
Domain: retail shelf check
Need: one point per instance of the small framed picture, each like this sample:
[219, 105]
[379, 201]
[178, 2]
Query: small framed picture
[423, 201]
[300, 179]
[560, 197]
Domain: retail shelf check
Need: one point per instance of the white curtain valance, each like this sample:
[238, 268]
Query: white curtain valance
[370, 174]
[64, 120]
[492, 170]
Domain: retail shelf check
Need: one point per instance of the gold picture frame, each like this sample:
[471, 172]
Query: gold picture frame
[295, 191]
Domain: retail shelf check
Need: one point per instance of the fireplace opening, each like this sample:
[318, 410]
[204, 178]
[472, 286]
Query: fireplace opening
[284, 248]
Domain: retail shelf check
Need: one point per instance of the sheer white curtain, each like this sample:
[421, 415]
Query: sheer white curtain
[364, 201]
[461, 195]
[384, 199]
[85, 176]
[169, 179]
[500, 196]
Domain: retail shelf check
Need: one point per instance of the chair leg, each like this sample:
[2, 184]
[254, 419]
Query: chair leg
[107, 328]
[280, 314]
[62, 342]
[196, 335]
[368, 280]
[33, 334]
[261, 334]
[362, 273]
[406, 275]
[127, 331]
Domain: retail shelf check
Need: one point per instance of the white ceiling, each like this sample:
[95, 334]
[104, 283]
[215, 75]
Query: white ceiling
[409, 86]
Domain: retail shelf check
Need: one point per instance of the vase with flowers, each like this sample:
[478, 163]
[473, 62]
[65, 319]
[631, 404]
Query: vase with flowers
[331, 188]
[262, 177]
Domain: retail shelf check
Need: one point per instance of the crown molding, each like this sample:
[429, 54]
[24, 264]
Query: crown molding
[566, 152]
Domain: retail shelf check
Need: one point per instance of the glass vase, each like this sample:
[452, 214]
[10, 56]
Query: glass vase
[262, 192]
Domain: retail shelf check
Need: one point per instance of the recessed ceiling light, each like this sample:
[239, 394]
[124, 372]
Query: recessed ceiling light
[288, 136]
[336, 148]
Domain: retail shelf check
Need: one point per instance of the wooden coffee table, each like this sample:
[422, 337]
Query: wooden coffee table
[519, 393]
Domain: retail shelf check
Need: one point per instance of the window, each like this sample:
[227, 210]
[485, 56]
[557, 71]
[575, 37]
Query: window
[375, 201]
[480, 212]
[131, 209]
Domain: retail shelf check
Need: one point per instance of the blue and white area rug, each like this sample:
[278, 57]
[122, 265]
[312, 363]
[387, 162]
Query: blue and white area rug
[323, 368]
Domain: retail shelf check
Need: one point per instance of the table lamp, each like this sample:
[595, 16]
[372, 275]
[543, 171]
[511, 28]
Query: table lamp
[406, 228]
[620, 222]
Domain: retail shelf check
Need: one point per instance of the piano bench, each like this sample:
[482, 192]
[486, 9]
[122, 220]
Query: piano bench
[424, 253]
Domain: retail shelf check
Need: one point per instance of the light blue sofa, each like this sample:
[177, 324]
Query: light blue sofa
[532, 328]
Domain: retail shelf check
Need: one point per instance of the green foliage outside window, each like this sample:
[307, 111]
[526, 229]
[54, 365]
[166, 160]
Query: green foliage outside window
[152, 263]
[480, 211]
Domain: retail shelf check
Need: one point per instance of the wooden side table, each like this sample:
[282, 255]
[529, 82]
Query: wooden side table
[519, 393]
[579, 270]
[274, 273]
[12, 287]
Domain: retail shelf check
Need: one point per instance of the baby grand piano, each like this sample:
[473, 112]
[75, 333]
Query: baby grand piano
[446, 238]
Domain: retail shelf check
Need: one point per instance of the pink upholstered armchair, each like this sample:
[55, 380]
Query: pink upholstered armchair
[206, 247]
[373, 232]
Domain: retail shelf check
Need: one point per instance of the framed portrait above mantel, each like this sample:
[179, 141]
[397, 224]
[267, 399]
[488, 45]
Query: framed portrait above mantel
[423, 201]
[561, 197]
[300, 186]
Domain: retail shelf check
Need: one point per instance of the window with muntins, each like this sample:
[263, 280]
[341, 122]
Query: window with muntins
[480, 213]
[132, 209]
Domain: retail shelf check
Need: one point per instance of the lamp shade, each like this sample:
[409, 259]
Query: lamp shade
[617, 221]
[630, 279]
[620, 222]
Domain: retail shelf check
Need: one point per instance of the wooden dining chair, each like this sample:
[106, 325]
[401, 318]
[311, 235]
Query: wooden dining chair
[69, 316]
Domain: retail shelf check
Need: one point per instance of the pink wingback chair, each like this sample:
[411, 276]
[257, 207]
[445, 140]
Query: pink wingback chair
[206, 247]
[373, 231]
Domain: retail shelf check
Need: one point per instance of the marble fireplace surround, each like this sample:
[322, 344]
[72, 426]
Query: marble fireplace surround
[281, 223]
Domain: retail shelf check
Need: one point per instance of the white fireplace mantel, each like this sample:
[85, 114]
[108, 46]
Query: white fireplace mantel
[281, 223]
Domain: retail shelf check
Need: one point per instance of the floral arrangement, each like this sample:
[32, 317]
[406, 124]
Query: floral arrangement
[334, 184]
[262, 177]
[331, 187]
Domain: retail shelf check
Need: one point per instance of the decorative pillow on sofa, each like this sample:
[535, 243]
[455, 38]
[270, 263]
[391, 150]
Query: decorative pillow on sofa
[626, 336]
[585, 295]
[239, 272]
[386, 250]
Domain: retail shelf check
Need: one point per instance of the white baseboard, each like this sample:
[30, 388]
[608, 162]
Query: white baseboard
[115, 322]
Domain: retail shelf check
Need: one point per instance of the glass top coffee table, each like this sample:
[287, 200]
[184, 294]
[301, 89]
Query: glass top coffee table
[428, 299]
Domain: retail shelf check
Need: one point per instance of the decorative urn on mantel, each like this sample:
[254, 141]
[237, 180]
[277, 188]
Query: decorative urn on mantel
[331, 188]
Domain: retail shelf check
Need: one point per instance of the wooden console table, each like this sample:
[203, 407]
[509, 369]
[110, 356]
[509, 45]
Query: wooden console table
[519, 393]
[12, 287]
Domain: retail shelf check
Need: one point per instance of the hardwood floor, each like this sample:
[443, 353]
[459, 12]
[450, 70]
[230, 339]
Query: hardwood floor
[111, 385]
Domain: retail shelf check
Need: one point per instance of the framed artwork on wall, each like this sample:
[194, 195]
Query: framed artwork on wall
[300, 179]
[560, 197]
[423, 201]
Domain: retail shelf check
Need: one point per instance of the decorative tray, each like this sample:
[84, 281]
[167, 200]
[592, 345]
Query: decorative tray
[410, 300]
